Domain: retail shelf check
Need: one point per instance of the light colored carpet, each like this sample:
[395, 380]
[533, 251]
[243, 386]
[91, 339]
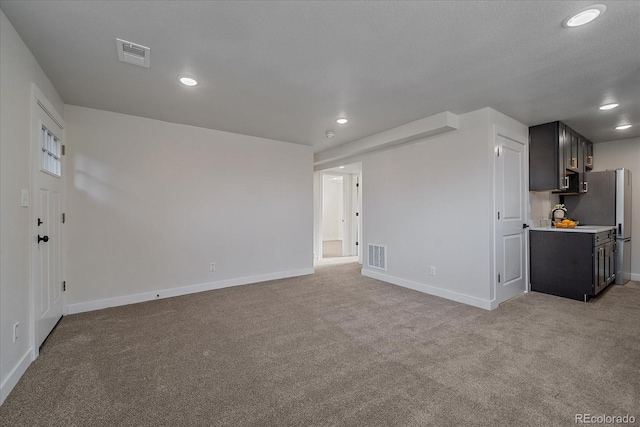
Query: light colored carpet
[336, 349]
[331, 248]
[339, 260]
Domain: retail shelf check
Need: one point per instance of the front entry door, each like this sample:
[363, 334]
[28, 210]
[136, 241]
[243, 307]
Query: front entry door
[510, 188]
[48, 203]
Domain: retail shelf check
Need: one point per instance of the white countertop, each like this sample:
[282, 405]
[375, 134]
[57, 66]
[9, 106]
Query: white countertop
[579, 229]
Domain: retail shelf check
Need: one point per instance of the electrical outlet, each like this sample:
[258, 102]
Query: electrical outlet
[15, 331]
[432, 270]
[212, 266]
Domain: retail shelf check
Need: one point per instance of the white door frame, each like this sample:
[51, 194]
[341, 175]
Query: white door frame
[344, 226]
[348, 214]
[358, 197]
[40, 101]
[352, 204]
[318, 191]
[350, 244]
[500, 132]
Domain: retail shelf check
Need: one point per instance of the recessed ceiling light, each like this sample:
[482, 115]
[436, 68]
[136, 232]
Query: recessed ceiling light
[608, 106]
[584, 16]
[188, 81]
[330, 134]
[341, 167]
[342, 121]
[623, 127]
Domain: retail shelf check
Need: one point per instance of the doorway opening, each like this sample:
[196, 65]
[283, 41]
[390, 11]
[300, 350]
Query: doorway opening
[337, 217]
[333, 216]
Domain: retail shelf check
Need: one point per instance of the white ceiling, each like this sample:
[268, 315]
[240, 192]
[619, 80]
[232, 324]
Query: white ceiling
[287, 70]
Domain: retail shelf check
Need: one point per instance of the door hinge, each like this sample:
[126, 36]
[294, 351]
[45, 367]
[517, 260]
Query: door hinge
[64, 149]
[64, 286]
[357, 213]
[498, 215]
[64, 218]
[498, 152]
[357, 184]
[356, 243]
[498, 277]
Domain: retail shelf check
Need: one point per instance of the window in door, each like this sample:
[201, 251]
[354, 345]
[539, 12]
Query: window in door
[51, 152]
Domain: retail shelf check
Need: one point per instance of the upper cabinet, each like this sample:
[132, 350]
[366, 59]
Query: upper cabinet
[571, 149]
[558, 159]
[588, 155]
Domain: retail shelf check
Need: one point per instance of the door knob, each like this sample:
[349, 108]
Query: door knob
[43, 239]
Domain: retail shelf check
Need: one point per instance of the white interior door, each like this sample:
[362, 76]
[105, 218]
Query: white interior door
[349, 247]
[48, 208]
[354, 215]
[359, 215]
[510, 240]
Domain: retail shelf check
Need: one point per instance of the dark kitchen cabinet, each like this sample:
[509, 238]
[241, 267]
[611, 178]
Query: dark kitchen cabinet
[588, 154]
[558, 158]
[571, 265]
[585, 154]
[571, 156]
[547, 157]
[603, 261]
[575, 161]
[549, 154]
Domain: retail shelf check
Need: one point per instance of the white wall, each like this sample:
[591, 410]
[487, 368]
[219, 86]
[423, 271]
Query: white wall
[151, 204]
[18, 70]
[541, 204]
[624, 153]
[431, 204]
[332, 208]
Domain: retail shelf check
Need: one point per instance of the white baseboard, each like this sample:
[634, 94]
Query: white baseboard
[184, 290]
[635, 277]
[14, 376]
[431, 290]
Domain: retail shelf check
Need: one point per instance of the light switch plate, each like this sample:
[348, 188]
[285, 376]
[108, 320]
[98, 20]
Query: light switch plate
[25, 199]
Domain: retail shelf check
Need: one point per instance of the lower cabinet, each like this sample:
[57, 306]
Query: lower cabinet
[572, 265]
[603, 263]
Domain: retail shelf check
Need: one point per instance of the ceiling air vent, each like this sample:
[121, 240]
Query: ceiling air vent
[133, 53]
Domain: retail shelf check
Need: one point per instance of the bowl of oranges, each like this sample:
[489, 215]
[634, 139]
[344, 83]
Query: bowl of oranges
[566, 223]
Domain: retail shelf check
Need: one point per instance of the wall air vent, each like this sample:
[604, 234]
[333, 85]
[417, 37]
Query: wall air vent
[377, 257]
[133, 53]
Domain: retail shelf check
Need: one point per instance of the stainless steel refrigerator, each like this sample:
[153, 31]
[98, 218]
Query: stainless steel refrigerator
[607, 202]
